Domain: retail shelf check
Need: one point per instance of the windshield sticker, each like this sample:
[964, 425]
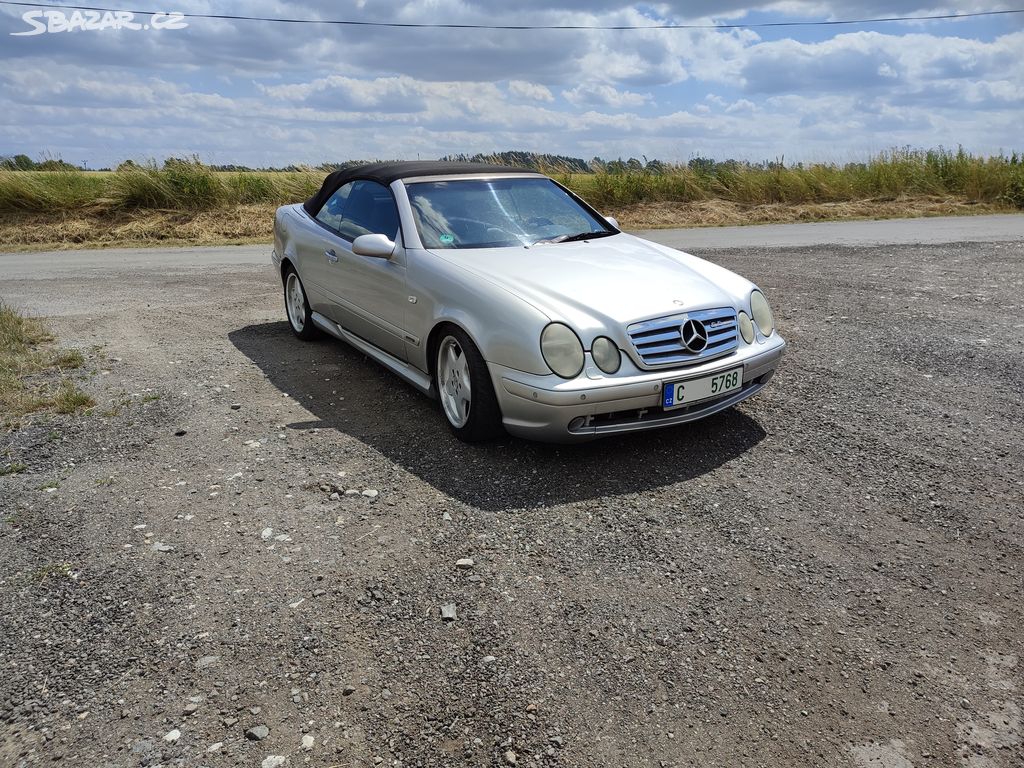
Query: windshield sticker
[447, 239]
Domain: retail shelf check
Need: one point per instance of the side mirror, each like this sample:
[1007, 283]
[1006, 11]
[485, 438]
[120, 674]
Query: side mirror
[611, 220]
[374, 246]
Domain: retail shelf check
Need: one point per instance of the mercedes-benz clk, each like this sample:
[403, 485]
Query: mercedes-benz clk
[519, 307]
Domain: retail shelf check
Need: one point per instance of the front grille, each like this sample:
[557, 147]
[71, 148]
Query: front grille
[660, 341]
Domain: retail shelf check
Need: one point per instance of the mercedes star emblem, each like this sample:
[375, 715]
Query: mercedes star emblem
[694, 335]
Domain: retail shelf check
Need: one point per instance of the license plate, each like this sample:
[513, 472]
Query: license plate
[677, 394]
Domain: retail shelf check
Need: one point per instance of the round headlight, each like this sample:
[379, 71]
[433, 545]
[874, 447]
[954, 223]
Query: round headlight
[762, 313]
[562, 350]
[606, 354]
[746, 328]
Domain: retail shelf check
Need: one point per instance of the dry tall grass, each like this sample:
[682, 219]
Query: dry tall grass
[187, 202]
[889, 176]
[177, 186]
[32, 371]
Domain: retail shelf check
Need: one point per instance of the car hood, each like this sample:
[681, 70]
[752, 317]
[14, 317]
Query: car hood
[604, 283]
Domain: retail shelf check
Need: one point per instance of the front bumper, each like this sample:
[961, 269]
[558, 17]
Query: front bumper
[538, 408]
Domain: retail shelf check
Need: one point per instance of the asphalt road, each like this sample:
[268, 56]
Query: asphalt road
[945, 229]
[952, 229]
[252, 532]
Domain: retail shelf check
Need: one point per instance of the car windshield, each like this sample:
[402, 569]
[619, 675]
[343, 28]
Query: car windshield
[501, 212]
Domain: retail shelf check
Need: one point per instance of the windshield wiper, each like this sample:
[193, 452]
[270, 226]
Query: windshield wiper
[576, 237]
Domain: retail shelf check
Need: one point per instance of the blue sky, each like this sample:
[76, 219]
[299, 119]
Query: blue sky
[270, 94]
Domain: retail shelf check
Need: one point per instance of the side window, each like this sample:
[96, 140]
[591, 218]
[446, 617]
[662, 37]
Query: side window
[333, 210]
[369, 210]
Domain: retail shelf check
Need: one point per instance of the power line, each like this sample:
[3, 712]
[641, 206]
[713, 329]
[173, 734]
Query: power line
[528, 27]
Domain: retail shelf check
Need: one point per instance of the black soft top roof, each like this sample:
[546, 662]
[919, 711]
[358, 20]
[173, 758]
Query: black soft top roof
[385, 173]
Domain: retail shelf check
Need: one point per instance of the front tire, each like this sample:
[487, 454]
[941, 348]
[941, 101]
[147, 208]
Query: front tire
[300, 316]
[465, 390]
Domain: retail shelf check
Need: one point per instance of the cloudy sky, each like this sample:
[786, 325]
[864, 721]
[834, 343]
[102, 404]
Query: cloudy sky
[262, 94]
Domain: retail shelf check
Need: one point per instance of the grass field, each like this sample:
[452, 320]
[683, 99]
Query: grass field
[33, 372]
[187, 202]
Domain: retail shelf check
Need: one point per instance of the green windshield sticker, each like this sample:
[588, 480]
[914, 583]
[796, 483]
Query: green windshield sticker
[447, 239]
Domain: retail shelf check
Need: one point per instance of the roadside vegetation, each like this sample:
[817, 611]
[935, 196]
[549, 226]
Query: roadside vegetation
[889, 176]
[34, 372]
[54, 204]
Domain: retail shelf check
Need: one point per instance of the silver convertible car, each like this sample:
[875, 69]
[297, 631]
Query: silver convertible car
[517, 305]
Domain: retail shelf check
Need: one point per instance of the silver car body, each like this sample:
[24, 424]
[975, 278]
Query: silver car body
[503, 298]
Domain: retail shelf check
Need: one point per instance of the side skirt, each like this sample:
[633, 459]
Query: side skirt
[413, 375]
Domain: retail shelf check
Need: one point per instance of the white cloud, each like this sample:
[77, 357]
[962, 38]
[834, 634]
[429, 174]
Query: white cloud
[743, 105]
[266, 94]
[526, 90]
[869, 60]
[604, 95]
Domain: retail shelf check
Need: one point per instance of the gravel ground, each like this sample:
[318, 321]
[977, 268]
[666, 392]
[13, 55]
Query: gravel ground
[250, 553]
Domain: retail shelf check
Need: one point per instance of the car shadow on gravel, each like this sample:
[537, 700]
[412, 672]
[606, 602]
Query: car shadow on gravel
[348, 392]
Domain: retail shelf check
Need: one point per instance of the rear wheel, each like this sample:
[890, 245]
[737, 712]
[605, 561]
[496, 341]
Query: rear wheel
[465, 390]
[300, 317]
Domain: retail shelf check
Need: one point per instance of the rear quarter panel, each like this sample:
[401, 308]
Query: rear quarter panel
[298, 239]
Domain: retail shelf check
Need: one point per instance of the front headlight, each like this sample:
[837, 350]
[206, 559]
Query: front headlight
[746, 328]
[762, 313]
[562, 350]
[606, 354]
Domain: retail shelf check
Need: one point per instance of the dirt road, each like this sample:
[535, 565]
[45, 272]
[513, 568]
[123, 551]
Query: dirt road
[243, 552]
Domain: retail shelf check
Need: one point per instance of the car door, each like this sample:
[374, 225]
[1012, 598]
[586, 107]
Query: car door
[367, 296]
[312, 243]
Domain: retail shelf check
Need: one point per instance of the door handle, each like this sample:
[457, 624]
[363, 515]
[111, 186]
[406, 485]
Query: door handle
[331, 256]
